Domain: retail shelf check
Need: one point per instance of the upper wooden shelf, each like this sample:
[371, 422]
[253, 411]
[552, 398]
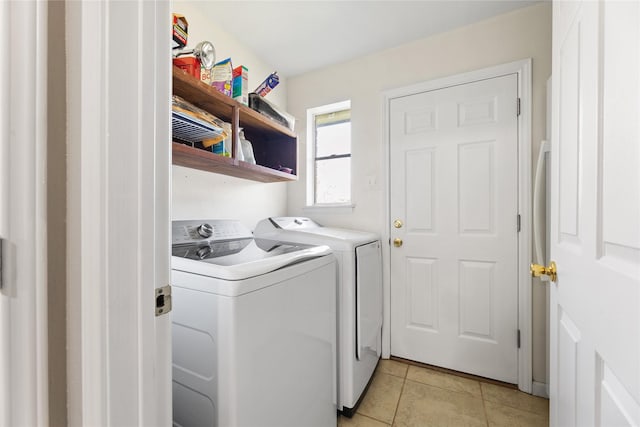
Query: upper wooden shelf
[274, 145]
[208, 98]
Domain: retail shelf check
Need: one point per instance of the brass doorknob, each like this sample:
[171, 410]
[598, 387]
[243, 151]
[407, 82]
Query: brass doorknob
[397, 223]
[538, 270]
[397, 242]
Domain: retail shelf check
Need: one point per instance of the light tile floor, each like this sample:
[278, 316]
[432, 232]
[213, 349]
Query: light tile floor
[405, 395]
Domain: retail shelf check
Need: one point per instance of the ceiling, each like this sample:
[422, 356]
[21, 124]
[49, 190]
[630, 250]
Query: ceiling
[300, 36]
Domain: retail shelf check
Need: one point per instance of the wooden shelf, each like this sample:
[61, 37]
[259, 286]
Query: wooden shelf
[274, 145]
[195, 158]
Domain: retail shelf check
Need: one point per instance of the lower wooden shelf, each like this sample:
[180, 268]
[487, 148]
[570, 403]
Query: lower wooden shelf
[184, 155]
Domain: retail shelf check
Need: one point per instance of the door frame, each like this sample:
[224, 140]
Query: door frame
[523, 69]
[24, 379]
[118, 212]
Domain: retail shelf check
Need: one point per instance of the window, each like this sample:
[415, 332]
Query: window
[329, 180]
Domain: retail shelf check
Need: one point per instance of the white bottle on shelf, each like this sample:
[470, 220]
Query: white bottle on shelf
[239, 149]
[246, 149]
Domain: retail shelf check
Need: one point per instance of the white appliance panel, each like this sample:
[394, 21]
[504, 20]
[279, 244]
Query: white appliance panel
[356, 361]
[263, 358]
[254, 329]
[368, 299]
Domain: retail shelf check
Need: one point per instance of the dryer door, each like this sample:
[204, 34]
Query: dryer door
[368, 299]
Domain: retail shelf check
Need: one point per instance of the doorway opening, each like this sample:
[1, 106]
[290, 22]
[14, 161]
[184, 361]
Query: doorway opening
[447, 203]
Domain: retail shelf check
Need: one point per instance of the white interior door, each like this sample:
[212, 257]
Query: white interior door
[454, 189]
[595, 215]
[119, 94]
[23, 291]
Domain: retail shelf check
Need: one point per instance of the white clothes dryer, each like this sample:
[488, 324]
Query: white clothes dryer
[359, 297]
[253, 328]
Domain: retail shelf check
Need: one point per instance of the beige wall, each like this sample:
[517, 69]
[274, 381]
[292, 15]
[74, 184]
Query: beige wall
[525, 33]
[197, 194]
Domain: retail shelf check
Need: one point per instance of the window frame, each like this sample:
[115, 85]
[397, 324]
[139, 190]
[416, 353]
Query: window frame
[312, 159]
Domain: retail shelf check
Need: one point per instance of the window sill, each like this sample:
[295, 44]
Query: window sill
[342, 208]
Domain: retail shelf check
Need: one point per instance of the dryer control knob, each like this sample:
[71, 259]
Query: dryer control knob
[205, 230]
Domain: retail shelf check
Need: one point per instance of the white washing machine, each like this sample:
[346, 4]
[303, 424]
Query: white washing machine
[254, 329]
[359, 297]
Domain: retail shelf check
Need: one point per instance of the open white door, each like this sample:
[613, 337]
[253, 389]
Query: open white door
[595, 219]
[119, 88]
[23, 293]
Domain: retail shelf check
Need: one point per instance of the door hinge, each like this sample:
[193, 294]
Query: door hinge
[518, 338]
[519, 223]
[518, 107]
[163, 300]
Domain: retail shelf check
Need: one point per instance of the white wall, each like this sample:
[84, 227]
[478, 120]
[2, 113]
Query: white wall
[517, 35]
[197, 194]
[200, 195]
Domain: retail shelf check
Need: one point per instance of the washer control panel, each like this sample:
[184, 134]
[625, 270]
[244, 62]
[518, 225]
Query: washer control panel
[193, 231]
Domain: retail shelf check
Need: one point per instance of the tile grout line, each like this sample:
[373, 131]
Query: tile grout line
[394, 413]
[484, 406]
[455, 373]
[404, 381]
[371, 418]
[515, 405]
[464, 393]
[517, 408]
[458, 392]
[479, 381]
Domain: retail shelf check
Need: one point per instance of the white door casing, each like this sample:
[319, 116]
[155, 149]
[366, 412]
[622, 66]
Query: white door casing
[454, 185]
[119, 88]
[595, 215]
[522, 69]
[23, 296]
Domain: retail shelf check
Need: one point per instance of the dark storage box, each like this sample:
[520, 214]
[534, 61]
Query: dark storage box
[266, 108]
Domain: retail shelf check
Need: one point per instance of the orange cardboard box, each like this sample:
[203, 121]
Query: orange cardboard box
[190, 64]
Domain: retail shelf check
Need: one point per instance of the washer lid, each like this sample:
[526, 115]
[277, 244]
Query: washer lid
[304, 230]
[225, 249]
[292, 222]
[241, 259]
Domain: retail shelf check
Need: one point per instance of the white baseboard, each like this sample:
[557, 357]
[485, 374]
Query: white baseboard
[540, 389]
